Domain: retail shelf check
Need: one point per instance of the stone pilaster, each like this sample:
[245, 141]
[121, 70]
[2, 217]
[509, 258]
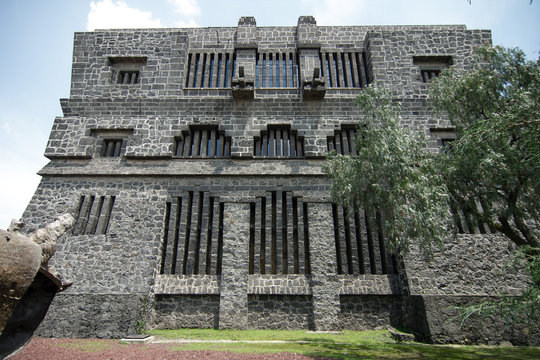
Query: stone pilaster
[243, 83]
[311, 79]
[234, 277]
[325, 283]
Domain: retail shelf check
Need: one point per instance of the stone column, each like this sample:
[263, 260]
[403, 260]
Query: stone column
[311, 79]
[243, 82]
[234, 275]
[325, 282]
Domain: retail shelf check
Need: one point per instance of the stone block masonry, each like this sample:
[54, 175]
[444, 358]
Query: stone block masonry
[192, 161]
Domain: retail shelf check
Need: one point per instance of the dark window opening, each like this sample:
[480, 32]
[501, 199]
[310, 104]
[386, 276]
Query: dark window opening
[427, 75]
[276, 70]
[431, 66]
[359, 241]
[128, 77]
[344, 69]
[93, 215]
[209, 70]
[203, 142]
[343, 141]
[279, 240]
[111, 148]
[192, 235]
[279, 141]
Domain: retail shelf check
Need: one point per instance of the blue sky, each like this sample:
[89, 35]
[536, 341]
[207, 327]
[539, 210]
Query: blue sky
[36, 42]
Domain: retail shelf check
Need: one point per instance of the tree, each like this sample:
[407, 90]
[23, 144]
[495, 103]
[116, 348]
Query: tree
[394, 177]
[491, 171]
[493, 168]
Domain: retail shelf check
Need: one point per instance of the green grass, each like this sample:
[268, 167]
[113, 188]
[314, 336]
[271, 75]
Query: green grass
[375, 336]
[344, 345]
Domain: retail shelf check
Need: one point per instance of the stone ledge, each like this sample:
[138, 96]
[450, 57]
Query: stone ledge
[369, 284]
[187, 284]
[187, 167]
[279, 285]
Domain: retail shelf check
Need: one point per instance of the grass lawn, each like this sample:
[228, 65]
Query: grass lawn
[342, 345]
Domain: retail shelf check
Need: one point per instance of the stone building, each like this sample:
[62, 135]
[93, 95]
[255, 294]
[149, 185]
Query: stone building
[191, 159]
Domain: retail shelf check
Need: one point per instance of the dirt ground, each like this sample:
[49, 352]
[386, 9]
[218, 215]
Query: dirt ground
[94, 349]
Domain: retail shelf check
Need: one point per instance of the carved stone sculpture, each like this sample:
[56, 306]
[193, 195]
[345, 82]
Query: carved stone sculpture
[27, 284]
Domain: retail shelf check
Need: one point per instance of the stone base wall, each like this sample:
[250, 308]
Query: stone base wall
[185, 311]
[436, 319]
[92, 316]
[371, 311]
[290, 312]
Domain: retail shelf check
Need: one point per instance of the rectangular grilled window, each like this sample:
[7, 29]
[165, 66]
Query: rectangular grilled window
[431, 66]
[359, 240]
[111, 148]
[427, 75]
[209, 70]
[93, 215]
[344, 69]
[126, 69]
[203, 142]
[276, 70]
[279, 240]
[279, 141]
[193, 235]
[343, 141]
[128, 77]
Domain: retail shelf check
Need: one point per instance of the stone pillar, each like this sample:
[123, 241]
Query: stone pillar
[311, 79]
[243, 82]
[234, 275]
[325, 282]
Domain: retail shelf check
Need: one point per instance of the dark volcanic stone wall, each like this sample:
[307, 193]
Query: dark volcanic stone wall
[142, 206]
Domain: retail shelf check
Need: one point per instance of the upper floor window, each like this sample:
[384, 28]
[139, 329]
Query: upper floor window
[343, 141]
[126, 69]
[111, 143]
[344, 69]
[93, 215]
[203, 142]
[111, 148]
[128, 77]
[276, 70]
[279, 141]
[431, 66]
[443, 137]
[209, 70]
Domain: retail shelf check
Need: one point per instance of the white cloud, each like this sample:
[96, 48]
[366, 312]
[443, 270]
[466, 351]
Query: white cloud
[109, 14]
[6, 128]
[186, 7]
[332, 12]
[186, 24]
[17, 186]
[187, 11]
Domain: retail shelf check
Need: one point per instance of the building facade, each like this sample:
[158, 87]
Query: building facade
[192, 161]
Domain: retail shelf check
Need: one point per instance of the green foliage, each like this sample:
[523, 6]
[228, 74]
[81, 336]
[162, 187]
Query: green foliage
[142, 315]
[524, 308]
[493, 170]
[394, 175]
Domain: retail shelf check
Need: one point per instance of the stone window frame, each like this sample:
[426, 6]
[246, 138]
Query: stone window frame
[265, 134]
[431, 66]
[218, 149]
[209, 69]
[443, 137]
[111, 144]
[336, 142]
[126, 70]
